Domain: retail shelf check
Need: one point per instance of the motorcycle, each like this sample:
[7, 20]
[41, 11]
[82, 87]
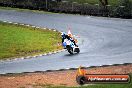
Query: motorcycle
[71, 48]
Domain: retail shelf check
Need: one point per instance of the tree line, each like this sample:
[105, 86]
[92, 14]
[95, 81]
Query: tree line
[123, 10]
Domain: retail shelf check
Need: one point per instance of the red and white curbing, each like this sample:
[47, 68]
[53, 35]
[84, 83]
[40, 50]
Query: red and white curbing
[28, 57]
[27, 25]
[44, 28]
[38, 27]
[33, 26]
[15, 23]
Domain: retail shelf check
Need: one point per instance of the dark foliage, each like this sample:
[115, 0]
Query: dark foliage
[124, 10]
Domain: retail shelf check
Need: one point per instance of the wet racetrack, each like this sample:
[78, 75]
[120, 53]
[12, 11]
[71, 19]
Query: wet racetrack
[103, 41]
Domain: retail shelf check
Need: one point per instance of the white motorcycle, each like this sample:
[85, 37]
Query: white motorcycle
[71, 48]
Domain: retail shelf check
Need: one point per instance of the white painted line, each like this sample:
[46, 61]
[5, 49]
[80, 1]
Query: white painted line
[37, 27]
[29, 57]
[34, 56]
[21, 24]
[54, 30]
[15, 23]
[44, 54]
[40, 55]
[33, 26]
[16, 59]
[76, 67]
[44, 28]
[121, 63]
[10, 22]
[22, 58]
[57, 69]
[4, 21]
[67, 68]
[54, 52]
[28, 25]
[110, 64]
[50, 53]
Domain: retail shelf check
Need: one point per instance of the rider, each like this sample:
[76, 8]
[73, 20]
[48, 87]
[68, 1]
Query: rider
[65, 36]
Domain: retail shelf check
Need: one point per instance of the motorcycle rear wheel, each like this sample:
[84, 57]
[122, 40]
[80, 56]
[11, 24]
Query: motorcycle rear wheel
[70, 49]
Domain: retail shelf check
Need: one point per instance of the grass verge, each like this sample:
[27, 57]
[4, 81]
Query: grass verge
[28, 10]
[17, 41]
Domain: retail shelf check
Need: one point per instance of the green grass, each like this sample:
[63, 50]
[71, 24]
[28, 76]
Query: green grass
[17, 41]
[22, 10]
[110, 2]
[125, 85]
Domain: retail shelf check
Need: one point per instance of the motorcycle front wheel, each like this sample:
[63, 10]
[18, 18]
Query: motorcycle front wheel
[70, 49]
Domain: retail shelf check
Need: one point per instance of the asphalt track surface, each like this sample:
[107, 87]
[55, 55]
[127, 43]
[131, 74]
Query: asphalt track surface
[103, 41]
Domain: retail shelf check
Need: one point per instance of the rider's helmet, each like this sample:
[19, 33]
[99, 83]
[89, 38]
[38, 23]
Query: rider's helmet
[63, 34]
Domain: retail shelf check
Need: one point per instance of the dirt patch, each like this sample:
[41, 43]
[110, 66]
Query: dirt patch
[66, 78]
